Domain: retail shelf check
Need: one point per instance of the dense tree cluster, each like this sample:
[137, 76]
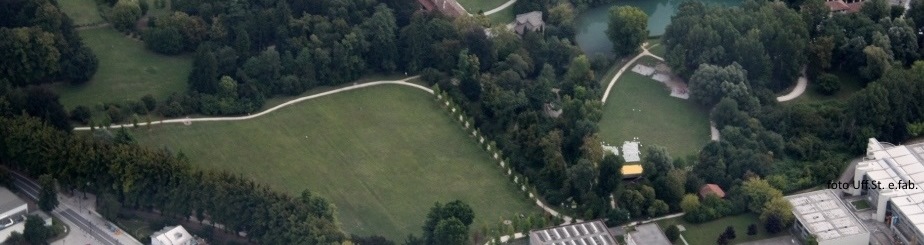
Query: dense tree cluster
[38, 45]
[760, 36]
[534, 94]
[627, 29]
[446, 224]
[155, 179]
[249, 51]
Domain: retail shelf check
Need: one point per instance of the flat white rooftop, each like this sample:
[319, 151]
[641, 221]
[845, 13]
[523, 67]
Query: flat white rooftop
[587, 233]
[630, 151]
[894, 164]
[824, 215]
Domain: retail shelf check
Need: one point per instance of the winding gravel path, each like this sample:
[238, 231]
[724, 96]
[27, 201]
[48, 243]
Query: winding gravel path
[612, 82]
[801, 84]
[499, 8]
[288, 103]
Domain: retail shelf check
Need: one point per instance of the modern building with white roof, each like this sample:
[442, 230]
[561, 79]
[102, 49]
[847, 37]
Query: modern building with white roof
[823, 215]
[175, 235]
[12, 209]
[887, 170]
[630, 151]
[587, 233]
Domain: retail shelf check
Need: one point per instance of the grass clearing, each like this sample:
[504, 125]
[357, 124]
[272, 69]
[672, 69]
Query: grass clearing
[860, 204]
[850, 84]
[83, 12]
[679, 125]
[473, 6]
[383, 155]
[660, 50]
[708, 233]
[127, 71]
[503, 17]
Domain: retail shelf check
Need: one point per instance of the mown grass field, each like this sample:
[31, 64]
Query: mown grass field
[82, 12]
[127, 71]
[473, 6]
[708, 233]
[383, 155]
[676, 124]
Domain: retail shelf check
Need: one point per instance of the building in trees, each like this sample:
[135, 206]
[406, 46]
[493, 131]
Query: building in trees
[895, 202]
[711, 189]
[447, 7]
[822, 215]
[842, 6]
[531, 21]
[591, 232]
[12, 209]
[173, 235]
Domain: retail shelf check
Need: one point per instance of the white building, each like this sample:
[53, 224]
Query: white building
[823, 215]
[12, 209]
[589, 233]
[173, 235]
[886, 172]
[630, 151]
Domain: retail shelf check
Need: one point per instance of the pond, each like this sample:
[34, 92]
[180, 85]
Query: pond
[592, 23]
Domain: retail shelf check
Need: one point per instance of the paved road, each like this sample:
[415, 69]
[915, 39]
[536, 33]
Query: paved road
[291, 102]
[85, 225]
[31, 189]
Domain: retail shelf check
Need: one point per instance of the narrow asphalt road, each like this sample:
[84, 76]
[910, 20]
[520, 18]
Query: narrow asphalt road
[31, 189]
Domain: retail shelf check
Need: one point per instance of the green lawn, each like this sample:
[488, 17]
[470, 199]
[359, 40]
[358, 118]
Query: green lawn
[660, 50]
[503, 17]
[383, 155]
[83, 12]
[473, 6]
[127, 71]
[676, 124]
[708, 233]
[860, 204]
[849, 84]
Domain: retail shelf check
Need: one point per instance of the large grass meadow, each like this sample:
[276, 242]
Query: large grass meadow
[639, 106]
[383, 155]
[127, 71]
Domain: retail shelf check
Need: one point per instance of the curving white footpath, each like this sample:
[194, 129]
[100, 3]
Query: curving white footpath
[801, 84]
[499, 8]
[612, 82]
[267, 111]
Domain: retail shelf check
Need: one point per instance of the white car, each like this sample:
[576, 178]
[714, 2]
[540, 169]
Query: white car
[4, 223]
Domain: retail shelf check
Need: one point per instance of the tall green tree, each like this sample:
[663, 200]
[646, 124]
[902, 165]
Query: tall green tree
[28, 55]
[35, 231]
[467, 72]
[875, 9]
[48, 195]
[627, 29]
[124, 14]
[381, 30]
[706, 82]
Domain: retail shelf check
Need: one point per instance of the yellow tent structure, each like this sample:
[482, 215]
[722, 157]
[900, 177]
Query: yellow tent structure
[632, 170]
